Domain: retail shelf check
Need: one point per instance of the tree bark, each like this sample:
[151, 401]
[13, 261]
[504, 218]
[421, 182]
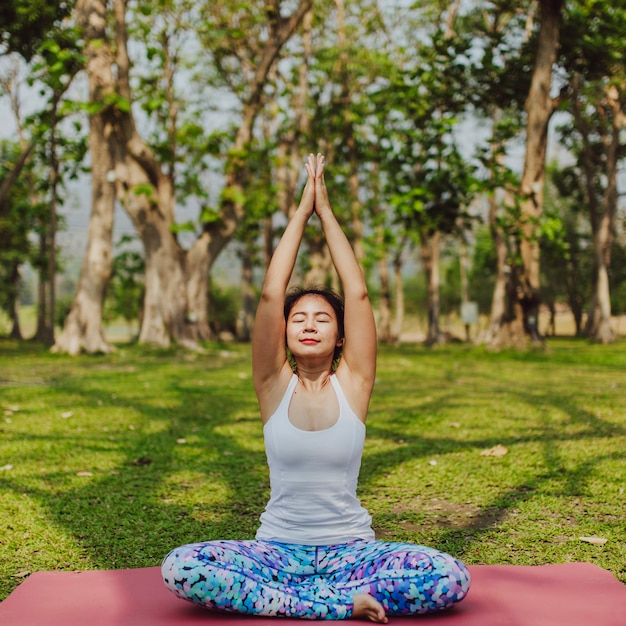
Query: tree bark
[11, 177]
[499, 305]
[176, 282]
[385, 334]
[218, 233]
[598, 326]
[539, 109]
[83, 328]
[429, 250]
[16, 331]
[245, 323]
[399, 296]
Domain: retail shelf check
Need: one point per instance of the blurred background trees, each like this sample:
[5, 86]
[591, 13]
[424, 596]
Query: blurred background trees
[473, 156]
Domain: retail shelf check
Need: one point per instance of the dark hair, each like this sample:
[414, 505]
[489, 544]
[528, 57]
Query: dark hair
[332, 297]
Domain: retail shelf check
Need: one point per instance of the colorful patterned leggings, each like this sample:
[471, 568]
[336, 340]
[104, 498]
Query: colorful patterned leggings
[314, 582]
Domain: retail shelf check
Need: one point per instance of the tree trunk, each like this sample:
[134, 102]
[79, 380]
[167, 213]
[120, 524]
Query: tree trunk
[599, 315]
[52, 227]
[539, 109]
[217, 234]
[83, 326]
[384, 305]
[430, 260]
[16, 331]
[166, 314]
[42, 298]
[463, 265]
[244, 326]
[499, 305]
[320, 263]
[198, 281]
[399, 296]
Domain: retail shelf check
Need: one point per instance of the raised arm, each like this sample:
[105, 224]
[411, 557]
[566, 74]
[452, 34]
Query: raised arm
[359, 350]
[268, 337]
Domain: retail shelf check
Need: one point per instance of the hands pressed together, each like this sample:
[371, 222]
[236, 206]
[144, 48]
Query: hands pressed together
[315, 195]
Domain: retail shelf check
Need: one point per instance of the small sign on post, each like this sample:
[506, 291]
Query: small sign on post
[469, 312]
[469, 315]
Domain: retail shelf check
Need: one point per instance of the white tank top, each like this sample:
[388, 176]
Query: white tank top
[313, 478]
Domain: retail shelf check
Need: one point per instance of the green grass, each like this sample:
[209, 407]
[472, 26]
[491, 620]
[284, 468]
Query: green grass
[110, 461]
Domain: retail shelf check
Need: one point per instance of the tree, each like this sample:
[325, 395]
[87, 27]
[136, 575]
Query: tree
[566, 242]
[267, 31]
[176, 299]
[51, 147]
[540, 106]
[60, 60]
[83, 328]
[26, 24]
[433, 183]
[18, 221]
[499, 85]
[593, 57]
[515, 67]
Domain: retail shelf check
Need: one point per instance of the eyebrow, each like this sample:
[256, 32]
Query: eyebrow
[314, 313]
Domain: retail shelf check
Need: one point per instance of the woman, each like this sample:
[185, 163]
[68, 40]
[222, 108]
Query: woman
[315, 555]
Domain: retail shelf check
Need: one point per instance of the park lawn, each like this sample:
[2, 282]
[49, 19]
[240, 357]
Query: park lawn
[109, 461]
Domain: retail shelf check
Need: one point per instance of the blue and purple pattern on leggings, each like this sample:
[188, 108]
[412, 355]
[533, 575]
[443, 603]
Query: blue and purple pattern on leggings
[314, 582]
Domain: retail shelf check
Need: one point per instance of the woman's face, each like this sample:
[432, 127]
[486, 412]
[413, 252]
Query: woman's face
[312, 327]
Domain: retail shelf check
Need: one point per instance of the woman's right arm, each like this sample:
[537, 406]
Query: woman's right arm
[269, 355]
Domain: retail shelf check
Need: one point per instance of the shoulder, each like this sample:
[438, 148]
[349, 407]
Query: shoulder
[271, 393]
[357, 389]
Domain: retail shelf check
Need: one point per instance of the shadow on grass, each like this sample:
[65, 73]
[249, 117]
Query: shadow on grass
[162, 465]
[159, 492]
[459, 523]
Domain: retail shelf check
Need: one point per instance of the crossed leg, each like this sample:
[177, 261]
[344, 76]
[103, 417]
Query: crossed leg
[358, 579]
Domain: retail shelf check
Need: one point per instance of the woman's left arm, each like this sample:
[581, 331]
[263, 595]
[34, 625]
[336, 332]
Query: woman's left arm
[359, 350]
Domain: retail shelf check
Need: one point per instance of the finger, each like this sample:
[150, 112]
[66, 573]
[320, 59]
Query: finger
[320, 164]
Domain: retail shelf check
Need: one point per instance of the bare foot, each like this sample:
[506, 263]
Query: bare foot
[368, 607]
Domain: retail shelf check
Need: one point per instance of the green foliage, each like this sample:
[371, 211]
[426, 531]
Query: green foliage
[172, 88]
[384, 103]
[592, 38]
[126, 287]
[224, 304]
[19, 218]
[431, 184]
[25, 24]
[415, 294]
[566, 250]
[482, 274]
[62, 309]
[503, 54]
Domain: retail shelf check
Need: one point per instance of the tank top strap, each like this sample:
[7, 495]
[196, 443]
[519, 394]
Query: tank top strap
[344, 405]
[283, 407]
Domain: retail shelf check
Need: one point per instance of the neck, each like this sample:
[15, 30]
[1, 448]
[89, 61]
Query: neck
[314, 376]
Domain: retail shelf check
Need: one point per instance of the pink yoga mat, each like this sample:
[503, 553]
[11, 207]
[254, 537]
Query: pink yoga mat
[572, 594]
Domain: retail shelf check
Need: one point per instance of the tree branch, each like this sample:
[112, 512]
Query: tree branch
[15, 172]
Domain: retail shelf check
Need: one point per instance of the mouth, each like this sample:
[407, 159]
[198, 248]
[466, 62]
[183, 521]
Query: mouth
[309, 342]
